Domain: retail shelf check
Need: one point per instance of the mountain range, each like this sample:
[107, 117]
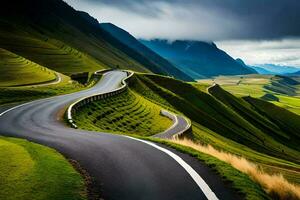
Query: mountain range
[198, 59]
[54, 35]
[274, 69]
[127, 39]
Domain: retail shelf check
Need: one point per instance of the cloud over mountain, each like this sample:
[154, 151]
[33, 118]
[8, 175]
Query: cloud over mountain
[199, 19]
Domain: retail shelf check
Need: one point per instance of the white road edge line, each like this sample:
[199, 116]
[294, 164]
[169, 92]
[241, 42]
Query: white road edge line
[10, 109]
[210, 195]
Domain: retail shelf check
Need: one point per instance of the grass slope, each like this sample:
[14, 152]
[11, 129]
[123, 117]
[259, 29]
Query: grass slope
[53, 34]
[266, 129]
[16, 70]
[283, 85]
[280, 90]
[31, 171]
[242, 184]
[125, 113]
[239, 128]
[48, 52]
[216, 121]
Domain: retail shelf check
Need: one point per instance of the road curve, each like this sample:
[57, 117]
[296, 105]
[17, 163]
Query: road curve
[180, 126]
[125, 168]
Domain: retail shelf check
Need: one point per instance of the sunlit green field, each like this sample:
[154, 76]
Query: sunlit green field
[255, 86]
[31, 171]
[16, 70]
[50, 53]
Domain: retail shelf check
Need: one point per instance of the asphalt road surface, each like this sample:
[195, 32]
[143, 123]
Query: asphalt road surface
[180, 124]
[124, 168]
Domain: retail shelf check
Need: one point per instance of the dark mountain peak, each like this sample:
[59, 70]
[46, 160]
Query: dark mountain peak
[239, 60]
[118, 32]
[198, 58]
[89, 18]
[33, 7]
[163, 66]
[111, 25]
[56, 24]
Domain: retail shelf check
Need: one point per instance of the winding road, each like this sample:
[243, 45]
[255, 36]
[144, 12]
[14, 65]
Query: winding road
[125, 168]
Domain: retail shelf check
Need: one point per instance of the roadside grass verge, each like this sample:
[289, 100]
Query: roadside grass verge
[125, 113]
[31, 171]
[239, 181]
[275, 185]
[270, 164]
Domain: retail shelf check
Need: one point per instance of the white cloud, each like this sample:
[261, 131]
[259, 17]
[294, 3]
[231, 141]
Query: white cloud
[171, 21]
[208, 21]
[281, 52]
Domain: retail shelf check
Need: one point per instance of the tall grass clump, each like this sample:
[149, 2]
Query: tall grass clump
[275, 185]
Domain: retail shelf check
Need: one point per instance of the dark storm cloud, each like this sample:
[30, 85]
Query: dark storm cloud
[213, 19]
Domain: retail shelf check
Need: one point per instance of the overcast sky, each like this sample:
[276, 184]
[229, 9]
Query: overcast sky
[232, 24]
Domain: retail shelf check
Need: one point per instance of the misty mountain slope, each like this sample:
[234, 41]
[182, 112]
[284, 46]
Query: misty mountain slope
[199, 57]
[87, 43]
[297, 73]
[164, 66]
[276, 69]
[261, 70]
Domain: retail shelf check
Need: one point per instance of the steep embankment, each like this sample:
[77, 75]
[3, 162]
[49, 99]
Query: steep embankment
[54, 35]
[16, 70]
[125, 113]
[263, 121]
[225, 115]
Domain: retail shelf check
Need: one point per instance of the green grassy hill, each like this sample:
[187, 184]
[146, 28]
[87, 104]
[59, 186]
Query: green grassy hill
[257, 130]
[265, 126]
[30, 171]
[54, 35]
[233, 124]
[217, 116]
[283, 85]
[16, 70]
[50, 53]
[126, 113]
[279, 90]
